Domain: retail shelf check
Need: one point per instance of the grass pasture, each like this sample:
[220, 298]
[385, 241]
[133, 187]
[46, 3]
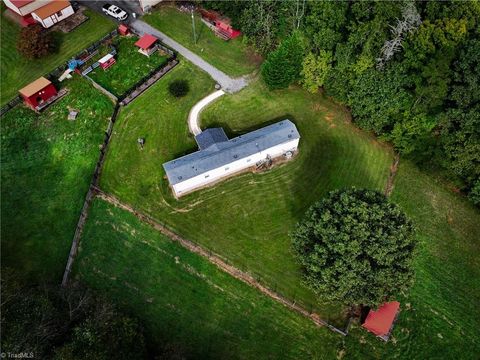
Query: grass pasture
[17, 71]
[47, 163]
[186, 302]
[247, 218]
[232, 57]
[130, 66]
[439, 317]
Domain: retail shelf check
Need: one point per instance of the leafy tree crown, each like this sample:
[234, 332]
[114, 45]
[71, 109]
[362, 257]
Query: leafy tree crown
[355, 246]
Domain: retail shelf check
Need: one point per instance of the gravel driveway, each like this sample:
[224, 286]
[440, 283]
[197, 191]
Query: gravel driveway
[227, 83]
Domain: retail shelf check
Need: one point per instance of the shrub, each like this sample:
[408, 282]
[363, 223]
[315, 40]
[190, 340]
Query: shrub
[356, 247]
[34, 42]
[178, 88]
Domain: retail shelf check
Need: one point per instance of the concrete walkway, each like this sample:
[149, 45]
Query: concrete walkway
[227, 83]
[197, 108]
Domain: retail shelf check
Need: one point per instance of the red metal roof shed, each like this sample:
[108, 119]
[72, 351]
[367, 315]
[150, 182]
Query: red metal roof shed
[146, 41]
[38, 92]
[380, 322]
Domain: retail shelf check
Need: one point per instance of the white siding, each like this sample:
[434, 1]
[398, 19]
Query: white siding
[146, 3]
[234, 167]
[27, 9]
[53, 19]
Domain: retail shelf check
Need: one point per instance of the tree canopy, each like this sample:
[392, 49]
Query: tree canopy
[409, 70]
[35, 42]
[356, 247]
[72, 323]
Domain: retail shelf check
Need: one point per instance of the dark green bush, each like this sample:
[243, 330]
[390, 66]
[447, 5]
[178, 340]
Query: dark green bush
[178, 88]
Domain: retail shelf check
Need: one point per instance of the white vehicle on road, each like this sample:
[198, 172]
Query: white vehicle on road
[115, 12]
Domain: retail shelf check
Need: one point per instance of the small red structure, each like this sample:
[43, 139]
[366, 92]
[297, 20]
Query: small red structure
[106, 61]
[123, 30]
[147, 44]
[221, 25]
[38, 93]
[380, 322]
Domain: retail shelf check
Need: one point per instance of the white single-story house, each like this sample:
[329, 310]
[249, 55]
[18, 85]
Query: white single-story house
[45, 12]
[220, 157]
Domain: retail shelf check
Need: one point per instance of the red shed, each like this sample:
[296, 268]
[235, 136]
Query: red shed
[147, 44]
[38, 92]
[380, 322]
[123, 30]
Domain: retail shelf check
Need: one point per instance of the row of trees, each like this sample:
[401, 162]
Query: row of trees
[409, 70]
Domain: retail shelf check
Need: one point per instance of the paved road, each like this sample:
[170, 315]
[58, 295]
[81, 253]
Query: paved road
[131, 7]
[227, 83]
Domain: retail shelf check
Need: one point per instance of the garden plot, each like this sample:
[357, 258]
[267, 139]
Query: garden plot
[130, 66]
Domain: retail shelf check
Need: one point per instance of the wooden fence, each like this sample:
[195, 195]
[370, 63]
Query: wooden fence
[89, 198]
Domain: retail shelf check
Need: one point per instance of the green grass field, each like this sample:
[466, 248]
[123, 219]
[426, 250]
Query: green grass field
[439, 318]
[232, 57]
[187, 302]
[17, 71]
[130, 66]
[47, 164]
[245, 219]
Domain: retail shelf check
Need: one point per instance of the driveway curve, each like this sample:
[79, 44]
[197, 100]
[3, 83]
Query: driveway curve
[227, 83]
[197, 108]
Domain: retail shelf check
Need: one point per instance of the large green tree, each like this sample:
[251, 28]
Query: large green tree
[283, 66]
[356, 247]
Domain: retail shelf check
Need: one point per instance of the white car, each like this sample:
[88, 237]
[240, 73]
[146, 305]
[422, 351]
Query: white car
[115, 12]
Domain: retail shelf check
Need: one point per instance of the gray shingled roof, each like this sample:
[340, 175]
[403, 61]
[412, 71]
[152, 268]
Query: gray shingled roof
[222, 152]
[209, 137]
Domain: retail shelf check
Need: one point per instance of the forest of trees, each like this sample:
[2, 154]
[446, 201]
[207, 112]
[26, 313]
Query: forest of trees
[408, 70]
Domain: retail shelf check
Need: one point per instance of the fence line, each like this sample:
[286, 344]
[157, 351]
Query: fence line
[88, 198]
[146, 82]
[55, 73]
[219, 262]
[101, 88]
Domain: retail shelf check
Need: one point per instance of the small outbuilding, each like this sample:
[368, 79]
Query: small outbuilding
[107, 61]
[380, 322]
[38, 93]
[123, 30]
[147, 44]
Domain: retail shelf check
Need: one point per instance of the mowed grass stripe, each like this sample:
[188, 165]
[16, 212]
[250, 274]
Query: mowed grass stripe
[245, 219]
[184, 300]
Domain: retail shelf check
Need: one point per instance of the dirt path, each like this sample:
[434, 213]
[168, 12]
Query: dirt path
[391, 177]
[218, 261]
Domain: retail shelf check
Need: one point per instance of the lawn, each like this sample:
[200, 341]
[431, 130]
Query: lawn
[245, 219]
[440, 314]
[17, 71]
[232, 57]
[130, 66]
[47, 163]
[186, 302]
